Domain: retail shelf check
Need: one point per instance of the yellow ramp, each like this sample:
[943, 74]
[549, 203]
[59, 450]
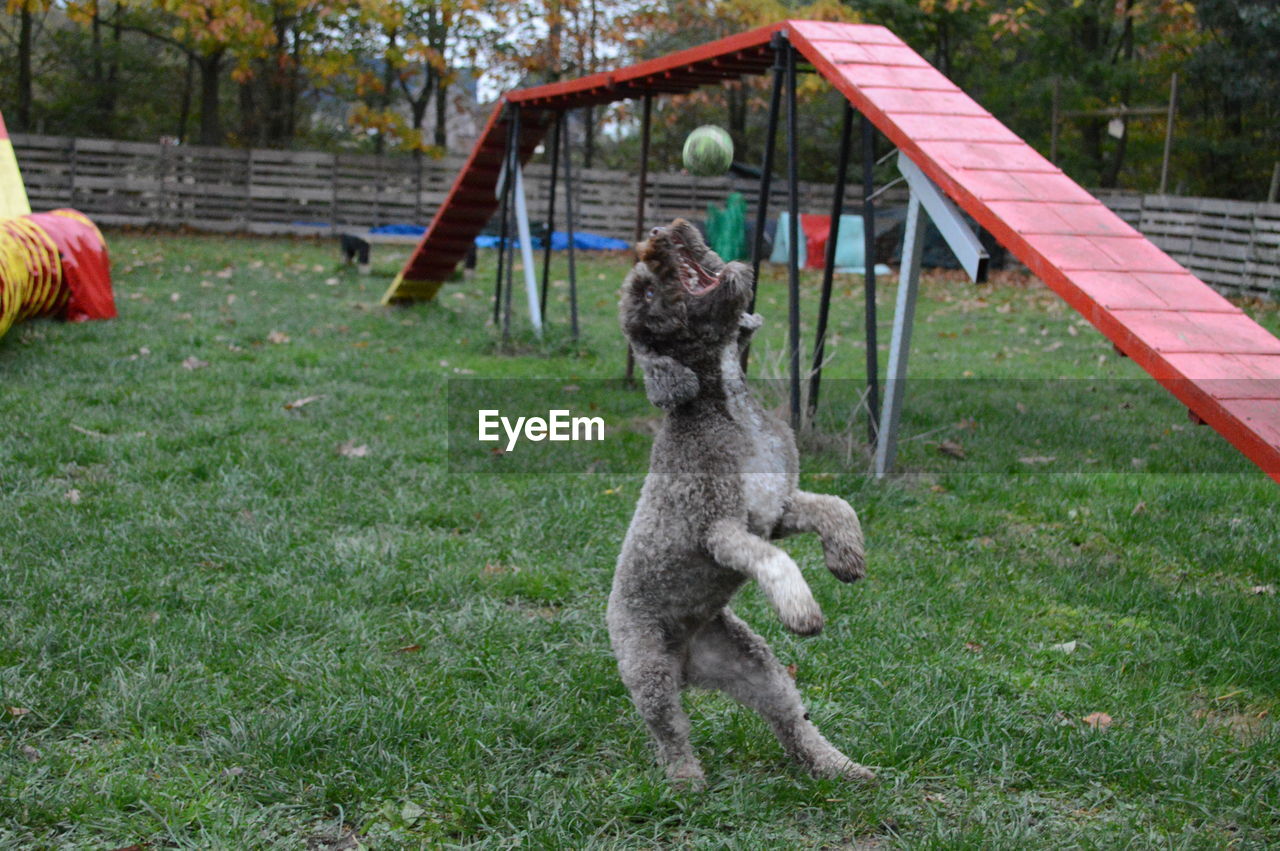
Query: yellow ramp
[13, 195]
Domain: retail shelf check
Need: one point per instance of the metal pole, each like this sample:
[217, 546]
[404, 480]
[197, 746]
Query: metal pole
[793, 246]
[568, 214]
[900, 346]
[1272, 193]
[513, 160]
[642, 196]
[828, 272]
[1168, 133]
[505, 177]
[778, 44]
[869, 268]
[551, 209]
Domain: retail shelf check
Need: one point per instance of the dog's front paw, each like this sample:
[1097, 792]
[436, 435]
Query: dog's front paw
[846, 557]
[789, 594]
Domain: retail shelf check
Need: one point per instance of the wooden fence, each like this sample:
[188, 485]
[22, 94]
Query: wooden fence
[1232, 245]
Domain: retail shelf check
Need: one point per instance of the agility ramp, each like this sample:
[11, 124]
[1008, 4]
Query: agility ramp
[1217, 361]
[51, 264]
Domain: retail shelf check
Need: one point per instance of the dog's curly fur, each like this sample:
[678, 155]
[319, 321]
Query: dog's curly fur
[722, 482]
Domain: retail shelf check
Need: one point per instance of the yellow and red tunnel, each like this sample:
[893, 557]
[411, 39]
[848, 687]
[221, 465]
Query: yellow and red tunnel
[51, 264]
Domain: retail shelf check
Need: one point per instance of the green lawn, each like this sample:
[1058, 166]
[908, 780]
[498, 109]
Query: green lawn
[228, 623]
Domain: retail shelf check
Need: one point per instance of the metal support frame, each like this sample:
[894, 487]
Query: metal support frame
[568, 213]
[642, 197]
[551, 210]
[828, 272]
[513, 159]
[779, 44]
[926, 198]
[793, 235]
[503, 192]
[526, 249]
[869, 274]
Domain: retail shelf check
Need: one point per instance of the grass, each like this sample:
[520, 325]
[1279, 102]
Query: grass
[223, 631]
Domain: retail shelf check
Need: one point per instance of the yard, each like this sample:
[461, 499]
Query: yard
[245, 603]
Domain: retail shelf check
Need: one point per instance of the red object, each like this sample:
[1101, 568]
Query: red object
[86, 267]
[1172, 325]
[816, 228]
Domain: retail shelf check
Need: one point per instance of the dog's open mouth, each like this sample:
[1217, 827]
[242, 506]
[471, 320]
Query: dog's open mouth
[695, 279]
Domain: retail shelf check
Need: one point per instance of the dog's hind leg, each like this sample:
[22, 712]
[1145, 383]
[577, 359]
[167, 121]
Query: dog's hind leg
[727, 655]
[654, 676]
[836, 523]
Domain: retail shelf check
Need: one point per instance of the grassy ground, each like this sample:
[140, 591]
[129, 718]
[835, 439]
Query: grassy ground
[230, 623]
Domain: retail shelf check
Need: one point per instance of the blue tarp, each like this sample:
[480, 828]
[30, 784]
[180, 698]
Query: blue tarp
[560, 242]
[400, 230]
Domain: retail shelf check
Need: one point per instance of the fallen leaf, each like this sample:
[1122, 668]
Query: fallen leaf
[570, 388]
[72, 496]
[1065, 647]
[1052, 347]
[194, 363]
[233, 771]
[792, 670]
[411, 812]
[1038, 459]
[331, 282]
[224, 273]
[937, 489]
[1097, 720]
[952, 448]
[409, 648]
[175, 297]
[29, 753]
[1140, 508]
[349, 449]
[1073, 331]
[1263, 590]
[973, 647]
[18, 711]
[1020, 408]
[88, 431]
[298, 403]
[277, 337]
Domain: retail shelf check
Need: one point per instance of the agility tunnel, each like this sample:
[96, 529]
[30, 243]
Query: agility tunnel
[51, 264]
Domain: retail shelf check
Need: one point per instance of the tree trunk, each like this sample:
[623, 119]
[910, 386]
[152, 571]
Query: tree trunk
[184, 108]
[442, 112]
[25, 37]
[210, 111]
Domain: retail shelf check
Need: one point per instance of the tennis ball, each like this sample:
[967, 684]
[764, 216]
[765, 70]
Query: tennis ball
[708, 151]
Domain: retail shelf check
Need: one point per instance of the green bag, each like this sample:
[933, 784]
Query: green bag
[727, 228]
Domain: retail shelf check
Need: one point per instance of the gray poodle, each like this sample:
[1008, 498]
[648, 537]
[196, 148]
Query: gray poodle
[721, 484]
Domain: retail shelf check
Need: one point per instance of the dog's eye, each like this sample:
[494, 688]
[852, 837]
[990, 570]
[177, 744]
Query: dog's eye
[648, 294]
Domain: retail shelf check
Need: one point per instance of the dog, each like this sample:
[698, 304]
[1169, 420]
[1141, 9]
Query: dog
[721, 483]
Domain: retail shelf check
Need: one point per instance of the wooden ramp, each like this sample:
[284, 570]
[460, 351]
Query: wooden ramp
[1217, 361]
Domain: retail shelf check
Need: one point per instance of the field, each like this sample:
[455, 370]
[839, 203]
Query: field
[246, 604]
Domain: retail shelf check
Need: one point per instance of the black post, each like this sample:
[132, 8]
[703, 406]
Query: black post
[869, 262]
[505, 177]
[641, 197]
[551, 212]
[793, 246]
[828, 272]
[568, 214]
[513, 162]
[779, 44]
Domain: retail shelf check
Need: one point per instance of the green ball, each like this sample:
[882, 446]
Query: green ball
[708, 151]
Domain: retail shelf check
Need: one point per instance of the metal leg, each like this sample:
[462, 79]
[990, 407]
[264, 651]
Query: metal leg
[513, 160]
[526, 250]
[779, 45]
[793, 224]
[900, 346]
[568, 214]
[504, 190]
[828, 272]
[551, 211]
[641, 198]
[869, 270]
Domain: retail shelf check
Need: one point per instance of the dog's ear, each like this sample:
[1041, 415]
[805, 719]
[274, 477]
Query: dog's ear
[667, 382]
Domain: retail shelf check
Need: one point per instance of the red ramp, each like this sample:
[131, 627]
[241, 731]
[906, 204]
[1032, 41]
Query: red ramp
[1174, 326]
